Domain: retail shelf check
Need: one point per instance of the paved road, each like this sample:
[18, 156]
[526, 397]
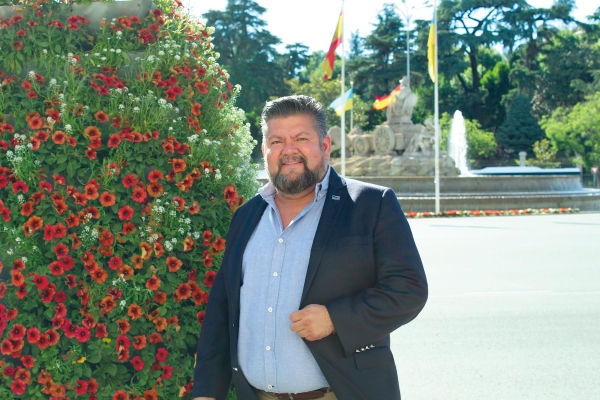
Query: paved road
[513, 313]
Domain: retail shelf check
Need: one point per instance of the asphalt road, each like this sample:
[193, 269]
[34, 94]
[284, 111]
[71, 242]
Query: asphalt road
[513, 312]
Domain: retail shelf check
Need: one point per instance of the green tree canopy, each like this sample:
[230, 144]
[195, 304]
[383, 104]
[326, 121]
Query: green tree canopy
[520, 129]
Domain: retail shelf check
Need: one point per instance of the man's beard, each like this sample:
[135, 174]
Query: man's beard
[302, 182]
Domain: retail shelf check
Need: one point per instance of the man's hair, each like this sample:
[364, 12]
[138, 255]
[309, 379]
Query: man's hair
[299, 104]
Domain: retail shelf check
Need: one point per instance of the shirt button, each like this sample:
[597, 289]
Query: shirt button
[275, 274]
[270, 309]
[270, 386]
[268, 348]
[280, 240]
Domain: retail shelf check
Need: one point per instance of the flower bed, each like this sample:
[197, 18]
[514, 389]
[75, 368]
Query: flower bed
[480, 213]
[122, 158]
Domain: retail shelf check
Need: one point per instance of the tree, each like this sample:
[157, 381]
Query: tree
[294, 60]
[496, 84]
[467, 26]
[248, 53]
[520, 129]
[577, 131]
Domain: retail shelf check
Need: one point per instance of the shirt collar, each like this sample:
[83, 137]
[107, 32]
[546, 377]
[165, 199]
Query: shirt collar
[268, 191]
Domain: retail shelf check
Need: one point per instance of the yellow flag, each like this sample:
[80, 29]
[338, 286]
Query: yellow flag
[431, 51]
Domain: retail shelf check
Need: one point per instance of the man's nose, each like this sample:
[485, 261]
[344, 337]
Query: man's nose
[289, 147]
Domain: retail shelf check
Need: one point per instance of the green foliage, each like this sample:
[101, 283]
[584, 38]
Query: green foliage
[480, 144]
[577, 131]
[496, 84]
[545, 155]
[126, 171]
[520, 129]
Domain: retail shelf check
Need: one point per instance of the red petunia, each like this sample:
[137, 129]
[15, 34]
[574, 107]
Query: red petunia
[61, 250]
[161, 355]
[18, 387]
[114, 141]
[119, 395]
[28, 361]
[128, 181]
[107, 199]
[174, 264]
[125, 213]
[200, 317]
[20, 186]
[82, 387]
[83, 334]
[58, 137]
[139, 195]
[155, 176]
[101, 331]
[101, 116]
[209, 278]
[137, 363]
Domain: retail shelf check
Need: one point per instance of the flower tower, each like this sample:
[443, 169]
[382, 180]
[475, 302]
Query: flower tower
[122, 159]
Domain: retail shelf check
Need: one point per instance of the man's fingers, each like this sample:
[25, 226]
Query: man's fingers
[296, 316]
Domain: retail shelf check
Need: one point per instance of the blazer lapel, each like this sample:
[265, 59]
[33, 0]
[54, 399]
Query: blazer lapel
[329, 216]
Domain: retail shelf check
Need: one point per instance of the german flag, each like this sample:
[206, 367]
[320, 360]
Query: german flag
[330, 58]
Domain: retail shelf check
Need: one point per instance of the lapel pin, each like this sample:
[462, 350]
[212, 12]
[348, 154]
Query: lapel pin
[335, 197]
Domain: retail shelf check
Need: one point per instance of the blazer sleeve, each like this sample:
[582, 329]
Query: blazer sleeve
[212, 374]
[400, 292]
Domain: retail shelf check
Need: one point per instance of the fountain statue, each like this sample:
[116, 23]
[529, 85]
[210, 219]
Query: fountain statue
[398, 147]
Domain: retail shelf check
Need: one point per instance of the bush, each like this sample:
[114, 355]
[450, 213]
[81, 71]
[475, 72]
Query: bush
[122, 158]
[520, 129]
[481, 144]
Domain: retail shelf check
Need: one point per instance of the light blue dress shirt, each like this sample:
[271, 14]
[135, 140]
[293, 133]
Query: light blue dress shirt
[273, 357]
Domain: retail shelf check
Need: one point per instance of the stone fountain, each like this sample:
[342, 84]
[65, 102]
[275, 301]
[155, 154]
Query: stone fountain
[400, 154]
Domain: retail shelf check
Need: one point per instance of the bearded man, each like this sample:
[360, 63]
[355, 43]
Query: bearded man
[318, 271]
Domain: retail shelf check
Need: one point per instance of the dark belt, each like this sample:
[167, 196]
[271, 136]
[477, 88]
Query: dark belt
[313, 394]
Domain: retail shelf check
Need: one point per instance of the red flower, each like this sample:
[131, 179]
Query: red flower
[200, 317]
[178, 165]
[107, 199]
[153, 283]
[154, 176]
[115, 263]
[209, 278]
[58, 137]
[218, 245]
[33, 335]
[174, 264]
[18, 387]
[119, 395]
[21, 33]
[139, 195]
[40, 281]
[183, 292]
[167, 372]
[61, 250]
[18, 45]
[60, 297]
[32, 94]
[82, 387]
[155, 338]
[101, 331]
[17, 332]
[114, 141]
[137, 363]
[125, 213]
[196, 109]
[20, 186]
[60, 231]
[128, 181]
[83, 334]
[161, 355]
[155, 189]
[128, 228]
[101, 116]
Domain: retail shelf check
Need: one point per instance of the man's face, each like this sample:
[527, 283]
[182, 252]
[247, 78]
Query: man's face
[295, 158]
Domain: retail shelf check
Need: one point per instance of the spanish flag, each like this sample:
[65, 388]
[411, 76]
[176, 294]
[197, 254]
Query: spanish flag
[431, 50]
[330, 58]
[383, 102]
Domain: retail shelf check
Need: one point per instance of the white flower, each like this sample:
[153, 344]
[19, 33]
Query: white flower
[118, 51]
[187, 221]
[174, 240]
[177, 57]
[18, 239]
[119, 33]
[112, 50]
[196, 235]
[136, 109]
[68, 127]
[21, 199]
[161, 53]
[172, 213]
[123, 303]
[121, 107]
[45, 51]
[103, 58]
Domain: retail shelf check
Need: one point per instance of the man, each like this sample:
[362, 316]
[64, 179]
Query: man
[317, 272]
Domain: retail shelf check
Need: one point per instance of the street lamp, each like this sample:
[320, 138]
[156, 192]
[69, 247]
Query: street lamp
[407, 14]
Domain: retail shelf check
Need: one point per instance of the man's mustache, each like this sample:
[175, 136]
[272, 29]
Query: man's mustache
[291, 159]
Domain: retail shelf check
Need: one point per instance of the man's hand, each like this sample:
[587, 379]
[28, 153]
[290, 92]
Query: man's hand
[312, 322]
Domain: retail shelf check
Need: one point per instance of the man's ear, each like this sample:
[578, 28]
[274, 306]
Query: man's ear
[327, 146]
[262, 148]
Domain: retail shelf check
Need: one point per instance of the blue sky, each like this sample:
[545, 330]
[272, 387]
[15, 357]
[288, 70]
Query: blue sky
[312, 22]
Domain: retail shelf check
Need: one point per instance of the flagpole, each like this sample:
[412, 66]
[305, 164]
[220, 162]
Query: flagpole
[437, 115]
[352, 107]
[343, 138]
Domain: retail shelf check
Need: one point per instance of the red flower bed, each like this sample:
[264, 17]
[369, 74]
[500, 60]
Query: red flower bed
[122, 158]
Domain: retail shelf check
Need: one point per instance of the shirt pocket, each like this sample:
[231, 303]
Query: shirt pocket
[351, 241]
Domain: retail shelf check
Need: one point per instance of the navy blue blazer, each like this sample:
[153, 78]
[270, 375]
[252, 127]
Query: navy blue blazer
[364, 267]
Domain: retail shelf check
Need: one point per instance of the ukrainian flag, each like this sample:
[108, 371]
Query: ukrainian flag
[343, 102]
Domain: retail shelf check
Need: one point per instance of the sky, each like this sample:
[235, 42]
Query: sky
[312, 22]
